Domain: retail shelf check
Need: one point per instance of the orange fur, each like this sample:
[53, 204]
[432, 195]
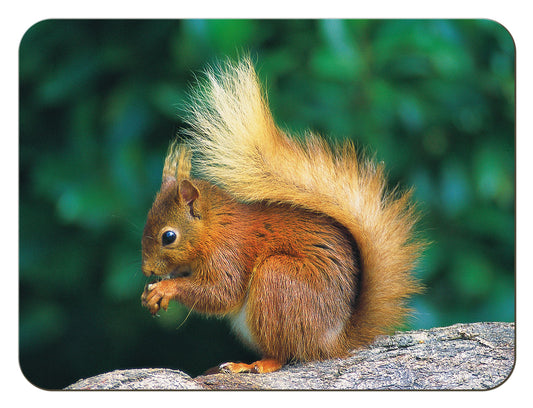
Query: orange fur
[297, 241]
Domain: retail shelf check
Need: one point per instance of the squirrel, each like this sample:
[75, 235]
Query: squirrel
[297, 241]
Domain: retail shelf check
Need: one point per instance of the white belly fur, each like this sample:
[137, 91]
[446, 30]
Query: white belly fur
[240, 326]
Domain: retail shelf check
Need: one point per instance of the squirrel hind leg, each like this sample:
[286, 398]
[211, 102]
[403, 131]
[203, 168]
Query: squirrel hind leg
[297, 320]
[266, 365]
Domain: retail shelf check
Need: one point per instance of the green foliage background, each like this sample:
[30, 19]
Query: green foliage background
[100, 101]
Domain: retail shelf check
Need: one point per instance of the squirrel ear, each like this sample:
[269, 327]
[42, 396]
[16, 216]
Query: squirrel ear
[187, 192]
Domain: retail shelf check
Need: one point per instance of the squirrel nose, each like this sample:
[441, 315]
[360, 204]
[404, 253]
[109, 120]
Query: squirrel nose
[146, 270]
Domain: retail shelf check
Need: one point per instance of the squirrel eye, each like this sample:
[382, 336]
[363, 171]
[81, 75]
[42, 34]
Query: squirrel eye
[168, 237]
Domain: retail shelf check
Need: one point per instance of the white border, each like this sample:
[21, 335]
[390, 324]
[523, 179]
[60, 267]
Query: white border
[20, 16]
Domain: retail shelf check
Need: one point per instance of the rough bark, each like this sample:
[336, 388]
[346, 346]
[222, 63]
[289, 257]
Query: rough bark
[472, 356]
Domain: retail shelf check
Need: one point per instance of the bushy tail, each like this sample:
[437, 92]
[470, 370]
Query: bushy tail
[237, 146]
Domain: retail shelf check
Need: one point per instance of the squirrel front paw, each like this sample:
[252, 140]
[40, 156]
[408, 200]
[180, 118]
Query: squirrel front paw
[157, 295]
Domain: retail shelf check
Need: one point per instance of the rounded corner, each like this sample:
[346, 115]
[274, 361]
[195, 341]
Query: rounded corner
[30, 29]
[28, 380]
[504, 28]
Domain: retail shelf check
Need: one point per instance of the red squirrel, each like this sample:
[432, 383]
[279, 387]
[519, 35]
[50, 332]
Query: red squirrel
[296, 241]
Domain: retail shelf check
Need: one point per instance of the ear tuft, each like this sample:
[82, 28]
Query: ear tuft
[177, 162]
[167, 181]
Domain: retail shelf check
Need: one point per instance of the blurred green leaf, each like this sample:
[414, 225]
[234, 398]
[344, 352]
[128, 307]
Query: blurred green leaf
[494, 172]
[473, 275]
[456, 191]
[229, 36]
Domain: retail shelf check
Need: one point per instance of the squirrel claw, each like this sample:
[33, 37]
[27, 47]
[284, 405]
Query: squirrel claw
[234, 368]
